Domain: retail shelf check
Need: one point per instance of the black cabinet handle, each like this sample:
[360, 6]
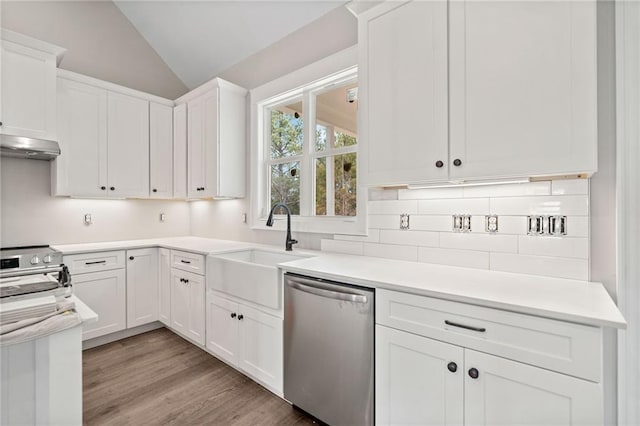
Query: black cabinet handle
[186, 261]
[457, 162]
[181, 280]
[473, 373]
[452, 366]
[131, 257]
[113, 188]
[240, 317]
[97, 262]
[233, 314]
[186, 281]
[155, 190]
[103, 187]
[439, 164]
[466, 327]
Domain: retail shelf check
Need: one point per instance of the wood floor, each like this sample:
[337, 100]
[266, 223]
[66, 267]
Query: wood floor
[157, 378]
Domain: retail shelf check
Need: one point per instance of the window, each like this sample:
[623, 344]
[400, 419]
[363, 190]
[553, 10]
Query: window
[306, 151]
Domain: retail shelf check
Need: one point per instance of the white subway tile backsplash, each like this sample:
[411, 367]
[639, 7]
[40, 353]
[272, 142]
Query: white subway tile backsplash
[482, 242]
[463, 258]
[393, 207]
[378, 194]
[554, 246]
[472, 206]
[442, 223]
[430, 194]
[378, 221]
[345, 247]
[413, 238]
[577, 269]
[508, 190]
[373, 236]
[570, 187]
[391, 251]
[430, 237]
[576, 205]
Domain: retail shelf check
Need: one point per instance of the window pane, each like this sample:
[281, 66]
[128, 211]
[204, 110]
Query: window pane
[285, 185]
[345, 167]
[336, 109]
[321, 186]
[336, 185]
[344, 139]
[287, 130]
[321, 137]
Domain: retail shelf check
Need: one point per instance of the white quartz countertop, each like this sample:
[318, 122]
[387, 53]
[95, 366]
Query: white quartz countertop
[568, 300]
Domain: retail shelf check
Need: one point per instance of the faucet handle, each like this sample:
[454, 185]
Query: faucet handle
[294, 241]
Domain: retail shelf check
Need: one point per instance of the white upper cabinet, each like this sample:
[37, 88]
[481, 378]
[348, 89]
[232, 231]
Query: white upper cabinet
[517, 98]
[128, 146]
[216, 138]
[81, 169]
[161, 150]
[105, 131]
[28, 86]
[522, 88]
[180, 151]
[403, 92]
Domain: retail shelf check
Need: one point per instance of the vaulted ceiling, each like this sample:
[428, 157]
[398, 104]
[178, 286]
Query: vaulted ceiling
[200, 39]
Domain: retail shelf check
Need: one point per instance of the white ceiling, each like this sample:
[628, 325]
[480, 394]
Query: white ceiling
[200, 39]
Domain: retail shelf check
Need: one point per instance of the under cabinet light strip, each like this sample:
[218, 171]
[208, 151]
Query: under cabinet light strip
[462, 183]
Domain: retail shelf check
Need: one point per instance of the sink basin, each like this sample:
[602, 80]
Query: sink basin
[250, 274]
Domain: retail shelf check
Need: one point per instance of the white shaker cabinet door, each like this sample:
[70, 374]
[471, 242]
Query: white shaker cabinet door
[179, 302]
[511, 393]
[202, 140]
[522, 88]
[164, 286]
[81, 168]
[197, 305]
[403, 92]
[28, 92]
[160, 151]
[222, 328]
[180, 151]
[106, 294]
[261, 340]
[419, 381]
[142, 286]
[128, 146]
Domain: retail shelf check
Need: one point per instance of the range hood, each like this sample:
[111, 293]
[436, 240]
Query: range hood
[23, 147]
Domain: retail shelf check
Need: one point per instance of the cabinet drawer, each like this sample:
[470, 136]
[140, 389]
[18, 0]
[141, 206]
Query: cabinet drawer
[94, 262]
[186, 261]
[556, 345]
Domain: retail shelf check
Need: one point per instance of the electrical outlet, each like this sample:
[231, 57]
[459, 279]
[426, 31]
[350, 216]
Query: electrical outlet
[491, 223]
[87, 219]
[404, 221]
[243, 217]
[163, 217]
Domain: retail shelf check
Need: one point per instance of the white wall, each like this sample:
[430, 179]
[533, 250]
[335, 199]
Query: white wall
[29, 215]
[100, 42]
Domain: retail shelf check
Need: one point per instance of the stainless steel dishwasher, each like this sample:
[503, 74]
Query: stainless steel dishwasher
[328, 349]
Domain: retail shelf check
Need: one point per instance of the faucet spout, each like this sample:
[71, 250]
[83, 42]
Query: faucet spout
[289, 241]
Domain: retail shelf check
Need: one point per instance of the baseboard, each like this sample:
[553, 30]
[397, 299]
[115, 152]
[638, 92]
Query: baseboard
[119, 335]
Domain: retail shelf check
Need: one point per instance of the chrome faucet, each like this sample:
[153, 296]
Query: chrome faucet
[290, 241]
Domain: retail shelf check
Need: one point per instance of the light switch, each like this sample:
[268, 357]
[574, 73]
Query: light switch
[404, 221]
[87, 219]
[163, 217]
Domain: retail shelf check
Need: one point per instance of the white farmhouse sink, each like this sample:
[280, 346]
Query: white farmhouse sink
[250, 274]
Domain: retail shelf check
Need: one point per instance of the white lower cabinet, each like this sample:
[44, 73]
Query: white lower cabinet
[164, 286]
[106, 294]
[246, 338]
[445, 363]
[188, 305]
[413, 382]
[142, 286]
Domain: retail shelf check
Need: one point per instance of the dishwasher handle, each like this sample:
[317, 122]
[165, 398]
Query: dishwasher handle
[319, 289]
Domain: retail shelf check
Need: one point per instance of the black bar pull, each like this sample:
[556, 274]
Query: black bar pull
[185, 261]
[466, 327]
[96, 262]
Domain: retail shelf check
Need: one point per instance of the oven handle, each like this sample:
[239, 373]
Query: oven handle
[22, 273]
[316, 288]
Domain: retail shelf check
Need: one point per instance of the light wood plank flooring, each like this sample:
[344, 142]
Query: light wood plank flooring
[157, 378]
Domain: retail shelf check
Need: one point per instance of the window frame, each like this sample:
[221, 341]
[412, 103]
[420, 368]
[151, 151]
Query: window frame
[305, 83]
